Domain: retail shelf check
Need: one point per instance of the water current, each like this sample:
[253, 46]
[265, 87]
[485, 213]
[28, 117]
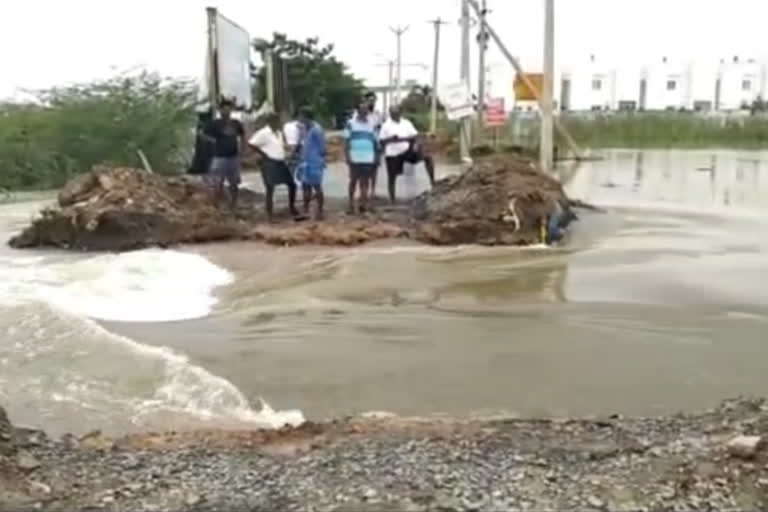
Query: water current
[659, 304]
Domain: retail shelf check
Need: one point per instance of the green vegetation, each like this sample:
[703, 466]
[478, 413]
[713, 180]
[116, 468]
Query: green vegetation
[70, 129]
[308, 74]
[680, 130]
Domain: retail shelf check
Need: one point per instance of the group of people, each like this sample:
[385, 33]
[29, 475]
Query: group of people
[296, 153]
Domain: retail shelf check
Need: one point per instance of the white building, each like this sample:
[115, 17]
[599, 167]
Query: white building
[663, 85]
[667, 85]
[704, 85]
[739, 83]
[589, 85]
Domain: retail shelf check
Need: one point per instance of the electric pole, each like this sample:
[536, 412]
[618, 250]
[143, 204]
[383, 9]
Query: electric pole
[546, 144]
[464, 138]
[399, 31]
[435, 65]
[388, 97]
[482, 39]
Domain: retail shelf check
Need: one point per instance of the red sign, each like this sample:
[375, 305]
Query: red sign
[495, 115]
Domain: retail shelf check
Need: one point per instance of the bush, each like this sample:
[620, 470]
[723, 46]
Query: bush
[72, 128]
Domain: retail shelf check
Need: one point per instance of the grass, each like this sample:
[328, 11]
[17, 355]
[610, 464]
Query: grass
[70, 129]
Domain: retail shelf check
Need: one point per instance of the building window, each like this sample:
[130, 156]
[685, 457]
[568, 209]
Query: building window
[597, 84]
[746, 85]
[671, 85]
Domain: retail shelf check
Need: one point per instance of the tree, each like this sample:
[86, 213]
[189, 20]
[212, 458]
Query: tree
[310, 75]
[419, 101]
[417, 106]
[69, 129]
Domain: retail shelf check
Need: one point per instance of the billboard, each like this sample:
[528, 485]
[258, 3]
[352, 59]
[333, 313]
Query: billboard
[457, 100]
[495, 114]
[231, 45]
[523, 92]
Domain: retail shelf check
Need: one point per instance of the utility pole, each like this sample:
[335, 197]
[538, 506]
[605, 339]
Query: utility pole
[269, 63]
[465, 136]
[399, 31]
[213, 82]
[546, 145]
[482, 39]
[435, 65]
[390, 78]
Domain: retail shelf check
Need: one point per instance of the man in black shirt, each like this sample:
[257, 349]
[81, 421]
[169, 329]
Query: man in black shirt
[229, 139]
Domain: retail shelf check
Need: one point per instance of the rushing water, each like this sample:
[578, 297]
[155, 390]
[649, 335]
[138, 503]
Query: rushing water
[658, 304]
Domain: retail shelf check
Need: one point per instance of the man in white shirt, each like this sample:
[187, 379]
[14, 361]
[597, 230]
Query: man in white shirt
[292, 134]
[269, 142]
[399, 138]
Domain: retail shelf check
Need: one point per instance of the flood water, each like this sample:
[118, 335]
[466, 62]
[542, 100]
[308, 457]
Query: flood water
[656, 305]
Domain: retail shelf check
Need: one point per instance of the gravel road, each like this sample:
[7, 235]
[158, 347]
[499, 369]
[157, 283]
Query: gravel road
[713, 460]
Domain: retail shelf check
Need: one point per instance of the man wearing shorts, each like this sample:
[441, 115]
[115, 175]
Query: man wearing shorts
[311, 168]
[228, 136]
[376, 118]
[269, 142]
[400, 140]
[361, 152]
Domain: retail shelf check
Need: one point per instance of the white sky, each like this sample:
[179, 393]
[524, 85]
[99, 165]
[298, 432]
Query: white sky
[49, 42]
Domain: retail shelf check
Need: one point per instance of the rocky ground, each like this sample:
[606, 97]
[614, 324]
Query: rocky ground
[709, 461]
[501, 200]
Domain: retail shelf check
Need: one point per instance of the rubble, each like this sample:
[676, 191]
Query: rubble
[500, 201]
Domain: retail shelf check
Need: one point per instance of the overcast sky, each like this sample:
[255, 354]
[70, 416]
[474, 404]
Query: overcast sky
[48, 42]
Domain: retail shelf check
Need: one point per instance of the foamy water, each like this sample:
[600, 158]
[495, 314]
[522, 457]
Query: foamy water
[57, 361]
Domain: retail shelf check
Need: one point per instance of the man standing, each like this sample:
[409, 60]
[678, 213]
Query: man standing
[311, 167]
[362, 150]
[399, 138]
[270, 144]
[377, 119]
[228, 136]
[292, 134]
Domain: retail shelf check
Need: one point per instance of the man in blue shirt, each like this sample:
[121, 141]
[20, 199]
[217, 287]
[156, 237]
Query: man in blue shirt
[362, 151]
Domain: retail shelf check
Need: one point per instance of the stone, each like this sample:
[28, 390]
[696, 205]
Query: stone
[36, 487]
[192, 500]
[595, 502]
[26, 462]
[744, 447]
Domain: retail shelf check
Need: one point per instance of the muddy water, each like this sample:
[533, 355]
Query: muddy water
[657, 305]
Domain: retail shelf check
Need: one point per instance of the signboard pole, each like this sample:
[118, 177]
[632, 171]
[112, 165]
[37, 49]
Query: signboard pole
[213, 71]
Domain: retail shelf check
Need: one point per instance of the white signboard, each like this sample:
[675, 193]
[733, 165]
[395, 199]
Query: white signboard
[232, 46]
[233, 50]
[457, 100]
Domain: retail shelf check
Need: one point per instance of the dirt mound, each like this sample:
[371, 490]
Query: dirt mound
[122, 209]
[499, 201]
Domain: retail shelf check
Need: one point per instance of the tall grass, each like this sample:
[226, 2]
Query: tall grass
[70, 129]
[680, 130]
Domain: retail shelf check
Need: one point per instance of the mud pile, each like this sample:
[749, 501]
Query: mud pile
[123, 209]
[498, 201]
